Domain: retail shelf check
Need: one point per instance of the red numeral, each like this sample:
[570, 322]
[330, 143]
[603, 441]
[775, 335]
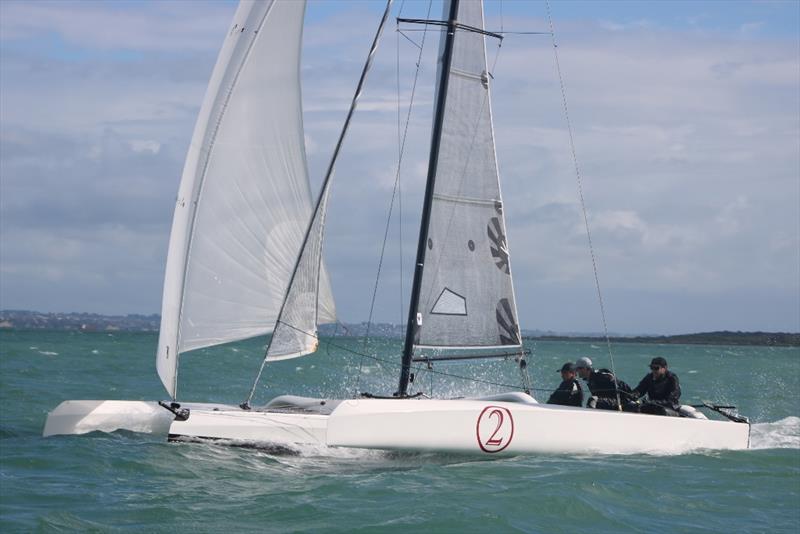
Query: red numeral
[503, 431]
[492, 440]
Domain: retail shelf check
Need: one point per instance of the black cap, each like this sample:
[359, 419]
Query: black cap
[658, 360]
[569, 366]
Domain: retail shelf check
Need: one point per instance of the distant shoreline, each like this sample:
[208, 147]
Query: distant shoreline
[759, 339]
[18, 320]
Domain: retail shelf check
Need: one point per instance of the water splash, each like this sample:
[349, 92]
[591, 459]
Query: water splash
[782, 434]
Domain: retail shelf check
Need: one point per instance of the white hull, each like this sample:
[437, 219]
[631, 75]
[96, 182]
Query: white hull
[484, 426]
[84, 416]
[509, 424]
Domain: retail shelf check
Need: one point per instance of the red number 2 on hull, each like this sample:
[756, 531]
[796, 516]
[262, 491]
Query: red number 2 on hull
[494, 428]
[495, 441]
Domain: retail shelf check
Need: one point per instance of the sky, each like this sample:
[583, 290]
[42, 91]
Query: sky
[685, 116]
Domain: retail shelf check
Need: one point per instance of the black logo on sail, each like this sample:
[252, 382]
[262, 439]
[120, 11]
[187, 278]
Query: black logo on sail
[498, 247]
[506, 324]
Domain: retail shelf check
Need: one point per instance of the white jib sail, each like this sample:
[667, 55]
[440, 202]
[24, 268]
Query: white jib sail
[467, 296]
[244, 200]
[295, 333]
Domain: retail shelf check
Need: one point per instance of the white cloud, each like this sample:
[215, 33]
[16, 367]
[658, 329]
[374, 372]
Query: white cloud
[97, 26]
[145, 145]
[750, 28]
[616, 26]
[687, 143]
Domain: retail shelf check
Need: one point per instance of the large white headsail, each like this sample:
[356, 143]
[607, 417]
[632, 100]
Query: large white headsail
[244, 201]
[467, 296]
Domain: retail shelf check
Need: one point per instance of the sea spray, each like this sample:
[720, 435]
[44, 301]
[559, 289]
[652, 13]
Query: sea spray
[782, 434]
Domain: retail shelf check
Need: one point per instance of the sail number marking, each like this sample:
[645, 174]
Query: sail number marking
[494, 429]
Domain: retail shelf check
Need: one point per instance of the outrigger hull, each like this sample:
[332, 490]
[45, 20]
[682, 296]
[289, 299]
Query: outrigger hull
[84, 416]
[484, 427]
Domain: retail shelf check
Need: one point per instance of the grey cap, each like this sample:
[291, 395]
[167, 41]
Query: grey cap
[583, 362]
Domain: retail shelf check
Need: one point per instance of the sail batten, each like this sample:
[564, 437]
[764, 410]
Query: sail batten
[244, 201]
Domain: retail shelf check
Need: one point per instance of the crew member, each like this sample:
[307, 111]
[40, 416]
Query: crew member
[603, 386]
[569, 392]
[662, 389]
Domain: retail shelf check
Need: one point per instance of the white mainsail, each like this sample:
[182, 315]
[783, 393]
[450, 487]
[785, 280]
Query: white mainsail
[467, 296]
[244, 201]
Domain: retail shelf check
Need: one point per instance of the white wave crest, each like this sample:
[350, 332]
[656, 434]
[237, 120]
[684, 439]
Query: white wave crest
[782, 434]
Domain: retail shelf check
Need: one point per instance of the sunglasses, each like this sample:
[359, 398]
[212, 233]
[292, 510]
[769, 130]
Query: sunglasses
[655, 367]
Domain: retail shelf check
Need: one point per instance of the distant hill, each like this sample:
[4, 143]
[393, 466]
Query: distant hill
[725, 337]
[86, 322]
[93, 322]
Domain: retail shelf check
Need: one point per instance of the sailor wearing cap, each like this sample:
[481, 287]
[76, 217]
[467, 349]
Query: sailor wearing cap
[662, 388]
[569, 392]
[603, 385]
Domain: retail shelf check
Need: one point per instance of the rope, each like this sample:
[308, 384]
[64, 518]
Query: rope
[401, 151]
[580, 195]
[399, 159]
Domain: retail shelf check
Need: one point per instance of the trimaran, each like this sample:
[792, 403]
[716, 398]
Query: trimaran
[245, 259]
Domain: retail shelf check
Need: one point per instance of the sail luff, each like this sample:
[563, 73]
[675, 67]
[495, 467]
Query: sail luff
[436, 134]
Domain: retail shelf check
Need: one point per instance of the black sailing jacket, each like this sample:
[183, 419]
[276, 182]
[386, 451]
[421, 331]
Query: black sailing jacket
[665, 391]
[569, 393]
[601, 385]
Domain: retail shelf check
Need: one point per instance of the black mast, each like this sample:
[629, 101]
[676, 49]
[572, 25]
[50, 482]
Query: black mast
[444, 76]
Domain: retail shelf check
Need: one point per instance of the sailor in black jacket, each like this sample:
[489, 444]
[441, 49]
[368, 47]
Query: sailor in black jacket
[603, 386]
[662, 388]
[569, 392]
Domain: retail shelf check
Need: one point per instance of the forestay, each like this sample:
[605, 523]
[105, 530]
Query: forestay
[467, 296]
[244, 201]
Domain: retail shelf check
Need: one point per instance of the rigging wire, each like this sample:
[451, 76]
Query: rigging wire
[399, 183]
[395, 190]
[392, 363]
[442, 30]
[522, 362]
[580, 195]
[324, 191]
[409, 39]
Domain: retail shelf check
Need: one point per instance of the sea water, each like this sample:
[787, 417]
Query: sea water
[139, 482]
